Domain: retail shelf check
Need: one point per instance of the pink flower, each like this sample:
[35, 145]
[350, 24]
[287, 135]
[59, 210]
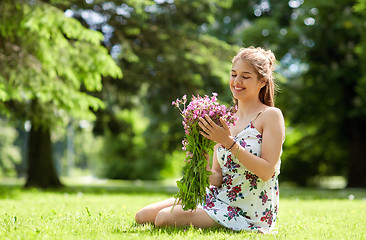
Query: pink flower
[194, 142]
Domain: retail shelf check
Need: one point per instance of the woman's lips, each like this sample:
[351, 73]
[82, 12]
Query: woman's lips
[238, 89]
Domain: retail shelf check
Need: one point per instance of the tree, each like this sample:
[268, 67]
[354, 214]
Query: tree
[358, 167]
[325, 96]
[164, 53]
[323, 92]
[49, 65]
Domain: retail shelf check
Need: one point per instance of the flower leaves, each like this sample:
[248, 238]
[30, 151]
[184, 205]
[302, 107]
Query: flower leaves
[192, 186]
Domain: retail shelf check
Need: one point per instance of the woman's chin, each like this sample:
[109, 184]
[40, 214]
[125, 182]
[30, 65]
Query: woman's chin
[237, 94]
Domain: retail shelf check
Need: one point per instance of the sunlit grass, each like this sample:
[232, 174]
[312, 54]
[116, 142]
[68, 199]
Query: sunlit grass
[106, 211]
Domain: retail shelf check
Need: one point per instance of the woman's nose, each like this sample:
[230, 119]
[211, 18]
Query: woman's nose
[237, 79]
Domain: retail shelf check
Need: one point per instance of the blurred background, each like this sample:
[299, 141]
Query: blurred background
[86, 85]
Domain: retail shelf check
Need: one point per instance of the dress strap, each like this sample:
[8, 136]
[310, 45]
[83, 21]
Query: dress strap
[255, 118]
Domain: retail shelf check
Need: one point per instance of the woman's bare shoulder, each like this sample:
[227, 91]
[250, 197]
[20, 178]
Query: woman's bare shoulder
[273, 119]
[273, 116]
[269, 118]
[273, 112]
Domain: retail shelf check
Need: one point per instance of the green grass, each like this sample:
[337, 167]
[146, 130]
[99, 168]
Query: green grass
[106, 211]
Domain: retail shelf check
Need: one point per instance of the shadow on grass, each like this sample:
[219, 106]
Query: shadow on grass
[152, 230]
[11, 189]
[162, 187]
[313, 193]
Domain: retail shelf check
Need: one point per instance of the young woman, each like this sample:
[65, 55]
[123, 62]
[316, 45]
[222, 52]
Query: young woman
[246, 161]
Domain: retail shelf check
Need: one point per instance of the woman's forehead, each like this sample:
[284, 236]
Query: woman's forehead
[242, 66]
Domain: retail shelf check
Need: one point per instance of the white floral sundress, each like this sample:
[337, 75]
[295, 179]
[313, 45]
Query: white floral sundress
[244, 201]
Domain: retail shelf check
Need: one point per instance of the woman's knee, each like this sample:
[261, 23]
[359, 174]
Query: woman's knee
[139, 216]
[162, 218]
[143, 216]
[148, 213]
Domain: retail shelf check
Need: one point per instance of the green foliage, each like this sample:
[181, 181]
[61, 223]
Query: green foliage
[173, 166]
[85, 148]
[323, 94]
[164, 54]
[195, 180]
[323, 99]
[49, 59]
[50, 63]
[10, 155]
[124, 154]
[360, 50]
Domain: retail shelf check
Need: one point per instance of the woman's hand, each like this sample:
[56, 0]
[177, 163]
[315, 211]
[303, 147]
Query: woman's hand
[212, 131]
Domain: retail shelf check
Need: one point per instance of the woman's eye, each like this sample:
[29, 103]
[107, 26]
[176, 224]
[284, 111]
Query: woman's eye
[234, 76]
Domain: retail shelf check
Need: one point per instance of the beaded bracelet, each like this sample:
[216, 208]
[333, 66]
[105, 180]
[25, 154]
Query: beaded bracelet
[231, 145]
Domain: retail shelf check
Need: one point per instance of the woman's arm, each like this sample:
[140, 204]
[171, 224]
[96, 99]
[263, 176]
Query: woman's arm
[273, 126]
[272, 138]
[216, 176]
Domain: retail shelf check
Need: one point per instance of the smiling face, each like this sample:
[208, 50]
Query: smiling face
[244, 82]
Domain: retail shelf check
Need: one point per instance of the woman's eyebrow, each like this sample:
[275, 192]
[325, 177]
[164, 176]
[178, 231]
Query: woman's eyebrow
[233, 70]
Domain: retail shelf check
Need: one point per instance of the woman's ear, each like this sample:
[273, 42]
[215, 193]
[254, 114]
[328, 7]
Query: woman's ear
[263, 82]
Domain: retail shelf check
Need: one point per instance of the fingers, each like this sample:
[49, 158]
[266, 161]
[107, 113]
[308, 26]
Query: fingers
[209, 120]
[204, 128]
[206, 135]
[224, 124]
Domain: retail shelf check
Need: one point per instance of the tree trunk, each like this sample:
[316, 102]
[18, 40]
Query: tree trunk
[41, 171]
[357, 153]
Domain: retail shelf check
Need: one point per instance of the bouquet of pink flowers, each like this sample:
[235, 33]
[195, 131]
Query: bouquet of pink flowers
[192, 186]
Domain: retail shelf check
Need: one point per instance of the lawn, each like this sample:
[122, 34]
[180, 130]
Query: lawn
[106, 211]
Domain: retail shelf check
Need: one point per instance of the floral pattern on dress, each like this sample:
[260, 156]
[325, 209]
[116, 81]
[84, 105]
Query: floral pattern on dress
[276, 189]
[234, 212]
[243, 143]
[235, 193]
[264, 197]
[227, 181]
[259, 137]
[253, 227]
[243, 201]
[268, 216]
[253, 180]
[211, 199]
[214, 190]
[230, 164]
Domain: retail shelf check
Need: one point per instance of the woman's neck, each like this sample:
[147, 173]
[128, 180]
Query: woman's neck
[249, 109]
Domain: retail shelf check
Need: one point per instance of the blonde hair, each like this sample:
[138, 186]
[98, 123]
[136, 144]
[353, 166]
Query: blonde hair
[262, 61]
